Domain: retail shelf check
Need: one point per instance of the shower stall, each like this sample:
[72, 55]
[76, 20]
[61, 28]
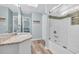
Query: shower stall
[64, 29]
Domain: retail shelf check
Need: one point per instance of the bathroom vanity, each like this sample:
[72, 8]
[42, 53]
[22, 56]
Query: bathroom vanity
[16, 44]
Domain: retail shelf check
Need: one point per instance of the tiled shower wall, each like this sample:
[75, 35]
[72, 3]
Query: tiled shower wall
[66, 34]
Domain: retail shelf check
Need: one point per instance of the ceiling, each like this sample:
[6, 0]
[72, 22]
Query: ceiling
[29, 9]
[65, 9]
[43, 8]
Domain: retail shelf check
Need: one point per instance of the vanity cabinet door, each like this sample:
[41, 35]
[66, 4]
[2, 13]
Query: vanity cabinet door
[9, 49]
[25, 47]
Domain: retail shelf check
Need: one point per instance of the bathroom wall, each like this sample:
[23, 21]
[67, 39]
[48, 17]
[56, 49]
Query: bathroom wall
[10, 21]
[4, 26]
[45, 29]
[37, 25]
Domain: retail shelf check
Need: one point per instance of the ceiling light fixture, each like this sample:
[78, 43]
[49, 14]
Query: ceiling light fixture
[33, 5]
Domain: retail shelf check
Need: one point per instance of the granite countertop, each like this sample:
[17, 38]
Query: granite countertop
[16, 39]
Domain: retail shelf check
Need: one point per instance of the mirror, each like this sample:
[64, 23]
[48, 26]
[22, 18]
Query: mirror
[21, 21]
